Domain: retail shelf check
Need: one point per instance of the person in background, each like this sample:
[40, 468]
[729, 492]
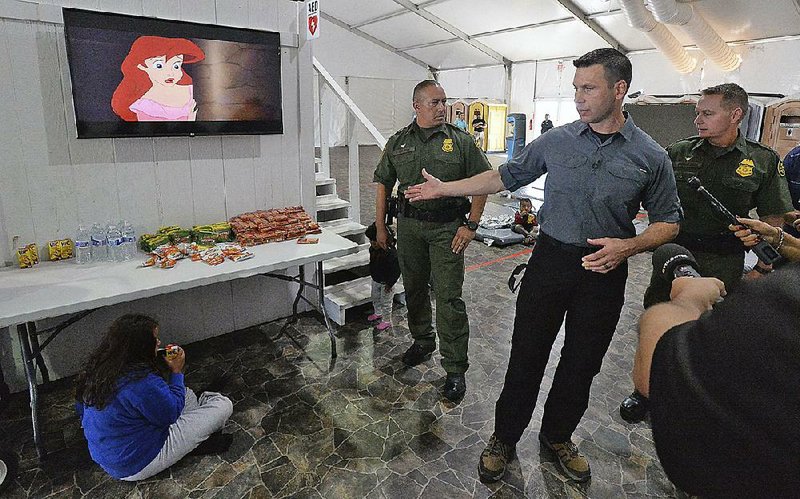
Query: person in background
[525, 222]
[722, 382]
[460, 123]
[600, 169]
[546, 124]
[136, 422]
[384, 268]
[432, 235]
[478, 127]
[791, 164]
[742, 174]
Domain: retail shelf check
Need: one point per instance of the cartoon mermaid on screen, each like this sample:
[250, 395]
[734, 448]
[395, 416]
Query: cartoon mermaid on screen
[154, 86]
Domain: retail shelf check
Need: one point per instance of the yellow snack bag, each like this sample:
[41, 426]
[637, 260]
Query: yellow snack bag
[28, 256]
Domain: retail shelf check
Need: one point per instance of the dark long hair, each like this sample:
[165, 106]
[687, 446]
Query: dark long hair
[127, 351]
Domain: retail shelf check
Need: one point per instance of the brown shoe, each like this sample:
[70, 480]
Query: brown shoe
[494, 460]
[572, 463]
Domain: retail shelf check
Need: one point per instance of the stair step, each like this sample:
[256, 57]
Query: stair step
[340, 297]
[344, 227]
[350, 261]
[331, 202]
[321, 179]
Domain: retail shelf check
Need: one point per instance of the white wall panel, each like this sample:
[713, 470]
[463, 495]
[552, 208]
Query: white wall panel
[52, 181]
[476, 16]
[237, 162]
[207, 180]
[455, 83]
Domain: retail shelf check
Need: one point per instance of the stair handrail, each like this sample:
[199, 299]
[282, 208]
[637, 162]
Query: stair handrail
[352, 106]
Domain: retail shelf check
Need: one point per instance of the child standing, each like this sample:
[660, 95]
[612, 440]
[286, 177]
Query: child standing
[384, 268]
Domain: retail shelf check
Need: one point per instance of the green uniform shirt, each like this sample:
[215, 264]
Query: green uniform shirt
[444, 151]
[744, 176]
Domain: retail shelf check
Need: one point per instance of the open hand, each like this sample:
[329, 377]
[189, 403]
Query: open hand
[462, 239]
[431, 189]
[611, 254]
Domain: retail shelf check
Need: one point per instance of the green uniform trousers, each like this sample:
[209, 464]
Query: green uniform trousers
[426, 260]
[726, 268]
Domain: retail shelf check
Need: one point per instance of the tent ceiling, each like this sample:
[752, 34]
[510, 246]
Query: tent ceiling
[446, 34]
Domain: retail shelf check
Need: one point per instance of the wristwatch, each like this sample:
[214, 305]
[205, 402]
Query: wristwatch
[473, 226]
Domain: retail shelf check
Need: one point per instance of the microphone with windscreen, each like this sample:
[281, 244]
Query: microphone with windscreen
[672, 261]
[765, 252]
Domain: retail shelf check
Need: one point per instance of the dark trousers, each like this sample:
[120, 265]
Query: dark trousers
[555, 287]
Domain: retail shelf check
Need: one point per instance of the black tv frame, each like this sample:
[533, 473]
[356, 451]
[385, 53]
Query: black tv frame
[170, 28]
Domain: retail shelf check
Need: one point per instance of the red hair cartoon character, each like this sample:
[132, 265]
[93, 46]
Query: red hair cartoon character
[154, 86]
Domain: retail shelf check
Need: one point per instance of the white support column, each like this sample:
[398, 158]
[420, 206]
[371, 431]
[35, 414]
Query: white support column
[354, 175]
[324, 127]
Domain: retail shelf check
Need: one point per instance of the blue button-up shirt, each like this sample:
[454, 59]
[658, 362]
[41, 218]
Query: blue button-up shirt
[594, 189]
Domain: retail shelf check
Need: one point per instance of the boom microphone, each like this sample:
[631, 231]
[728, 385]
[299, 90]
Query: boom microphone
[765, 252]
[672, 261]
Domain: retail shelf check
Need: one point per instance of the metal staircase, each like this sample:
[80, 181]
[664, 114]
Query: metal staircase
[347, 279]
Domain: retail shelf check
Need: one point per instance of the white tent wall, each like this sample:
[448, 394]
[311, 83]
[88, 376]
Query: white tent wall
[475, 83]
[378, 80]
[52, 181]
[523, 83]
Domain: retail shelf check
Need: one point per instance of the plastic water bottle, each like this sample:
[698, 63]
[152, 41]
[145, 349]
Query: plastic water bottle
[97, 237]
[115, 245]
[128, 240]
[83, 246]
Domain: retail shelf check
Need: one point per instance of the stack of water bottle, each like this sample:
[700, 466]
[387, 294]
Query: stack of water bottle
[105, 243]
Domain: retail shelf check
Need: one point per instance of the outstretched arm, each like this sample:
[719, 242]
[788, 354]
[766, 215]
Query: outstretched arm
[487, 182]
[690, 297]
[750, 230]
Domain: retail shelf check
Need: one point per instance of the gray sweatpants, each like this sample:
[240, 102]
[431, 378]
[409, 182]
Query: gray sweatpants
[199, 419]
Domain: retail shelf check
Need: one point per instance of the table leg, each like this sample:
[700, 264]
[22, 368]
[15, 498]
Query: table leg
[34, 339]
[302, 278]
[30, 374]
[321, 298]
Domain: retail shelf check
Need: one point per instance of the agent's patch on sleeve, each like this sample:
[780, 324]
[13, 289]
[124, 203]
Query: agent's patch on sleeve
[781, 169]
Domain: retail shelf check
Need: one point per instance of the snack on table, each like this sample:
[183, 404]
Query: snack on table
[28, 256]
[308, 240]
[176, 234]
[208, 235]
[149, 242]
[274, 225]
[60, 249]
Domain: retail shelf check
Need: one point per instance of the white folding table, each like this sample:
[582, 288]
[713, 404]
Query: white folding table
[53, 289]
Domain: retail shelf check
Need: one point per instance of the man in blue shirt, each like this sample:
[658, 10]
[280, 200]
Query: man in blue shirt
[600, 169]
[791, 164]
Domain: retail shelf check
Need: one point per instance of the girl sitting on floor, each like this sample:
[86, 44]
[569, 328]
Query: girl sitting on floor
[136, 422]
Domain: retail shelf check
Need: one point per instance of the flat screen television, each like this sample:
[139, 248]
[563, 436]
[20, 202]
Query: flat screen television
[142, 77]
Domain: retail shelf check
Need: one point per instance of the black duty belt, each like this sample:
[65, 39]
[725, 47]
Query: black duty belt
[567, 248]
[440, 216]
[720, 244]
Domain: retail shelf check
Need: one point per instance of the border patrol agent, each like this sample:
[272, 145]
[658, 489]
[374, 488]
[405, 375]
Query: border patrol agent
[432, 235]
[742, 174]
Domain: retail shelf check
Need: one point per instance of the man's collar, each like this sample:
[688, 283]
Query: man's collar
[426, 133]
[626, 131]
[740, 143]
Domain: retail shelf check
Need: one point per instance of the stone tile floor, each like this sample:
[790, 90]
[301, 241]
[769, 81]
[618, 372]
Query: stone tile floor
[366, 425]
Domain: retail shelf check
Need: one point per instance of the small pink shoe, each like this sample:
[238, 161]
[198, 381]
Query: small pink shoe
[374, 317]
[383, 326]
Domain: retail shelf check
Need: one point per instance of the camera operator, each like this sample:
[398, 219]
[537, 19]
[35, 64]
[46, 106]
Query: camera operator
[723, 383]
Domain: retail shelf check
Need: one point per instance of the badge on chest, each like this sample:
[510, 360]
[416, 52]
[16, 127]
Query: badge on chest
[447, 145]
[745, 168]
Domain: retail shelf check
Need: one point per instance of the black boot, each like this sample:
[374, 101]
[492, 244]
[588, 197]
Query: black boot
[455, 386]
[417, 354]
[634, 408]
